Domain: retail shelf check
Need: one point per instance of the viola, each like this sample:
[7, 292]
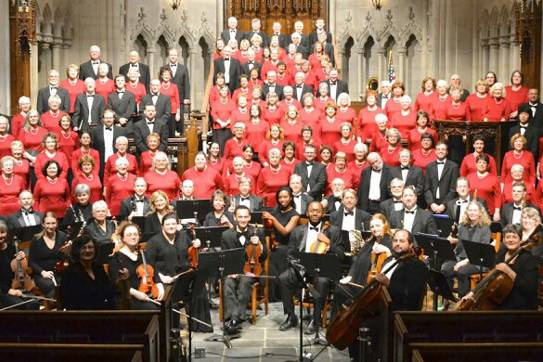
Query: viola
[253, 253]
[192, 252]
[322, 245]
[21, 279]
[146, 274]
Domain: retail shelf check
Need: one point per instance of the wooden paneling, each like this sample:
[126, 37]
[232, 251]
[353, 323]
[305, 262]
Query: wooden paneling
[529, 37]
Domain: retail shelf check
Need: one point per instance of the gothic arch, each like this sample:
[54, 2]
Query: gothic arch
[494, 25]
[46, 21]
[58, 23]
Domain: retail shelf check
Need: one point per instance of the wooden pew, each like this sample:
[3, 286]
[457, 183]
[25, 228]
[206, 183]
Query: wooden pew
[411, 328]
[480, 352]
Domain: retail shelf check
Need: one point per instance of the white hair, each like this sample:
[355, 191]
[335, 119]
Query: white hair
[442, 83]
[120, 161]
[24, 100]
[99, 204]
[121, 139]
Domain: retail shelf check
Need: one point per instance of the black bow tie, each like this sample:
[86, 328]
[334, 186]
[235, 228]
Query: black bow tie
[299, 86]
[405, 167]
[28, 212]
[55, 88]
[309, 163]
[440, 162]
[397, 201]
[240, 234]
[232, 31]
[120, 92]
[139, 200]
[376, 171]
[332, 83]
[150, 123]
[409, 212]
[154, 94]
[90, 95]
[346, 213]
[462, 202]
[248, 198]
[297, 196]
[313, 228]
[517, 207]
[521, 126]
[173, 65]
[133, 65]
[226, 59]
[95, 62]
[109, 128]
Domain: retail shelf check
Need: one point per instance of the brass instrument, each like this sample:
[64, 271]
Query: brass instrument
[356, 241]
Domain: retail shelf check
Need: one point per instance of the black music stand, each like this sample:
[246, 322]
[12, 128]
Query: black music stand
[256, 216]
[482, 255]
[210, 236]
[220, 264]
[103, 252]
[439, 285]
[27, 233]
[183, 283]
[444, 224]
[193, 209]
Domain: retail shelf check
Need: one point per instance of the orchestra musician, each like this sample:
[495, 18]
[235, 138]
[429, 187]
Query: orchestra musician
[308, 238]
[511, 212]
[348, 216]
[237, 288]
[219, 216]
[136, 205]
[100, 229]
[332, 203]
[413, 218]
[393, 203]
[160, 207]
[81, 209]
[300, 198]
[529, 221]
[440, 179]
[26, 215]
[245, 197]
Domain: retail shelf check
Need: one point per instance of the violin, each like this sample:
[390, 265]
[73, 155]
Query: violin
[377, 261]
[253, 253]
[146, 274]
[192, 252]
[21, 279]
[322, 245]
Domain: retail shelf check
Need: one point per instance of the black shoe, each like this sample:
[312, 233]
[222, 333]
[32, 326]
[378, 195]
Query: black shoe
[232, 327]
[290, 322]
[311, 329]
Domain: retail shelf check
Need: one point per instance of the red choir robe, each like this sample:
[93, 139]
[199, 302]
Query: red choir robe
[9, 194]
[488, 189]
[205, 181]
[117, 189]
[168, 182]
[52, 196]
[468, 165]
[269, 181]
[93, 182]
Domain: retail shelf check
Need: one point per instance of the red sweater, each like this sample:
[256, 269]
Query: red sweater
[526, 159]
[265, 147]
[222, 111]
[109, 168]
[68, 143]
[9, 194]
[284, 104]
[52, 196]
[439, 108]
[50, 121]
[231, 184]
[272, 116]
[468, 165]
[495, 111]
[404, 123]
[138, 91]
[392, 107]
[424, 102]
[146, 162]
[347, 176]
[31, 139]
[42, 159]
[76, 156]
[117, 190]
[73, 90]
[366, 123]
[205, 182]
[269, 182]
[391, 159]
[256, 133]
[421, 160]
[457, 112]
[239, 115]
[330, 131]
[169, 183]
[516, 98]
[349, 115]
[414, 137]
[347, 148]
[311, 118]
[5, 145]
[173, 93]
[17, 123]
[93, 183]
[292, 132]
[488, 189]
[233, 148]
[22, 168]
[476, 106]
[105, 89]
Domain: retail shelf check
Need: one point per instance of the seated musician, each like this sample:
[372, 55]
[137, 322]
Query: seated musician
[123, 266]
[522, 270]
[301, 199]
[395, 202]
[456, 207]
[85, 284]
[100, 229]
[413, 218]
[474, 226]
[309, 238]
[219, 215]
[237, 289]
[283, 219]
[26, 216]
[187, 190]
[348, 216]
[160, 206]
[136, 205]
[530, 219]
[81, 209]
[46, 249]
[511, 211]
[8, 294]
[332, 203]
[245, 197]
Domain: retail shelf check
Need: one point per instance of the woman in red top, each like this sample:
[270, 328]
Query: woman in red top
[519, 155]
[206, 179]
[306, 139]
[51, 152]
[52, 193]
[475, 103]
[5, 137]
[18, 120]
[73, 85]
[135, 87]
[517, 94]
[457, 110]
[426, 153]
[146, 157]
[289, 100]
[85, 142]
[315, 57]
[469, 163]
[422, 127]
[378, 139]
[244, 46]
[487, 186]
[284, 78]
[68, 140]
[241, 112]
[441, 101]
[221, 113]
[272, 178]
[219, 46]
[330, 126]
[292, 126]
[257, 128]
[309, 115]
[161, 177]
[88, 174]
[255, 81]
[231, 182]
[252, 168]
[391, 152]
[214, 158]
[344, 112]
[497, 108]
[220, 82]
[11, 186]
[274, 140]
[359, 163]
[426, 97]
[233, 146]
[50, 120]
[119, 186]
[121, 146]
[366, 126]
[243, 90]
[323, 97]
[104, 85]
[347, 142]
[406, 119]
[325, 155]
[21, 166]
[169, 89]
[289, 161]
[393, 105]
[517, 177]
[272, 113]
[339, 170]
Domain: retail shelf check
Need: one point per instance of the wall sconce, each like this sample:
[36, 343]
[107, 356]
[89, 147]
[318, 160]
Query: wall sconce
[376, 4]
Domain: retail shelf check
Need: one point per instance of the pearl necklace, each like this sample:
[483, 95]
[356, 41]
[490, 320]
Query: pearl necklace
[52, 182]
[123, 178]
[9, 180]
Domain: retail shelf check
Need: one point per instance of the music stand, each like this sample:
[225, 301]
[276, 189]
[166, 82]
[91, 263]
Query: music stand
[210, 235]
[183, 284]
[220, 264]
[103, 252]
[27, 233]
[256, 216]
[482, 255]
[444, 224]
[439, 285]
[193, 209]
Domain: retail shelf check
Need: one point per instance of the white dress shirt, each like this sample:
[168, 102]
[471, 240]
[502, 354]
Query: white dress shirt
[440, 167]
[517, 211]
[297, 203]
[391, 271]
[108, 142]
[173, 68]
[311, 236]
[245, 201]
[333, 91]
[90, 101]
[348, 221]
[30, 219]
[139, 206]
[227, 71]
[309, 169]
[95, 64]
[375, 185]
[463, 206]
[409, 218]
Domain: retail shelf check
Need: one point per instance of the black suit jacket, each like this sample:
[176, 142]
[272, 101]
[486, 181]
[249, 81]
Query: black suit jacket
[424, 221]
[245, 68]
[255, 202]
[284, 40]
[235, 72]
[361, 218]
[87, 71]
[16, 220]
[124, 107]
[331, 204]
[229, 240]
[266, 90]
[303, 49]
[163, 105]
[506, 212]
[298, 239]
[414, 178]
[305, 89]
[128, 204]
[181, 79]
[97, 134]
[532, 134]
[316, 181]
[364, 187]
[305, 199]
[387, 207]
[450, 207]
[447, 183]
[141, 131]
[81, 113]
[313, 38]
[42, 104]
[341, 87]
[407, 286]
[538, 117]
[265, 40]
[225, 35]
[145, 75]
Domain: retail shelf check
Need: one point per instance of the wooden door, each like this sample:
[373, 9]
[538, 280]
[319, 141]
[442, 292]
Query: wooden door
[287, 12]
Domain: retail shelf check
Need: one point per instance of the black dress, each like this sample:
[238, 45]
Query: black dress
[6, 276]
[98, 234]
[211, 220]
[79, 291]
[77, 213]
[41, 258]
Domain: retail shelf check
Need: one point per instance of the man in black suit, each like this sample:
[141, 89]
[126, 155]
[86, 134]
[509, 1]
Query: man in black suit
[150, 124]
[374, 184]
[105, 136]
[162, 103]
[251, 63]
[304, 239]
[134, 63]
[301, 199]
[313, 173]
[52, 89]
[230, 67]
[89, 107]
[256, 29]
[336, 86]
[245, 198]
[299, 30]
[413, 218]
[232, 32]
[535, 106]
[237, 290]
[89, 69]
[456, 207]
[440, 180]
[528, 129]
[181, 79]
[348, 217]
[122, 102]
[297, 40]
[271, 86]
[385, 94]
[510, 212]
[319, 29]
[26, 216]
[300, 88]
[284, 40]
[137, 204]
[409, 174]
[394, 203]
[332, 202]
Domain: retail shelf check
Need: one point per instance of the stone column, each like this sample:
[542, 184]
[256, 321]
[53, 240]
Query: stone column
[505, 66]
[151, 55]
[493, 63]
[402, 52]
[193, 71]
[34, 77]
[362, 76]
[57, 61]
[381, 63]
[46, 64]
[484, 56]
[515, 52]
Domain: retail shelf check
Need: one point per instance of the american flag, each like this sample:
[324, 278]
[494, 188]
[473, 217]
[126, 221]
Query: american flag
[390, 70]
